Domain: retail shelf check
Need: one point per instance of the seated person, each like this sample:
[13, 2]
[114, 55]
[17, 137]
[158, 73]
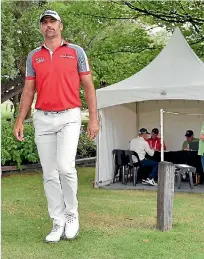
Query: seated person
[201, 145]
[155, 141]
[141, 147]
[189, 138]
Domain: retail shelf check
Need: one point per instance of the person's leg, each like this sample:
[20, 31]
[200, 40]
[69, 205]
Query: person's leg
[153, 174]
[153, 164]
[67, 142]
[46, 141]
[202, 161]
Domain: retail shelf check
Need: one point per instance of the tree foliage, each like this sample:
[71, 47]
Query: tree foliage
[118, 36]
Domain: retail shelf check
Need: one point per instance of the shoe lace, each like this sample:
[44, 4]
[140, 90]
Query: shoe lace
[55, 228]
[70, 217]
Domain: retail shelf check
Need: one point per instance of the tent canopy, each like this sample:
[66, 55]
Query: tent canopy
[177, 66]
[173, 81]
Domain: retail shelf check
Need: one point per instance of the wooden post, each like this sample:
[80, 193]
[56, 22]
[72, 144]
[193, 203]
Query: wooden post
[165, 195]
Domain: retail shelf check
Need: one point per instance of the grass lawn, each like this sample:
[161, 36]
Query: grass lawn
[114, 224]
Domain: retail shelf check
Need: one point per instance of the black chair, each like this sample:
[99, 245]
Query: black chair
[130, 168]
[118, 162]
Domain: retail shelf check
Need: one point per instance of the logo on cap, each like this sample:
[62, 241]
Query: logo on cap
[50, 13]
[155, 131]
[143, 131]
[189, 133]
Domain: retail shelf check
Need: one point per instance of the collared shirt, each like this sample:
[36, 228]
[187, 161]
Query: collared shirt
[141, 147]
[201, 142]
[155, 143]
[57, 75]
[186, 143]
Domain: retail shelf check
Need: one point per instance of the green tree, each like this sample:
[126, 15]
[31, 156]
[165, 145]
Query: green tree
[117, 36]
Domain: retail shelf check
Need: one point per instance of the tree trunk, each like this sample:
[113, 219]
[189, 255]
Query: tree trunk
[16, 102]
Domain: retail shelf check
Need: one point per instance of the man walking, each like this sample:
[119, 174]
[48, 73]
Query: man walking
[54, 71]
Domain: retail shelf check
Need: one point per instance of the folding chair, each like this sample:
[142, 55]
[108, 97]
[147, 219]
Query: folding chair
[118, 155]
[131, 168]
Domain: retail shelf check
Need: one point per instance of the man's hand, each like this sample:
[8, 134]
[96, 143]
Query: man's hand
[18, 131]
[25, 106]
[93, 128]
[186, 149]
[201, 137]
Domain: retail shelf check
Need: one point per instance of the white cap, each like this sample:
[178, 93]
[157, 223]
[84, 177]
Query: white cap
[50, 13]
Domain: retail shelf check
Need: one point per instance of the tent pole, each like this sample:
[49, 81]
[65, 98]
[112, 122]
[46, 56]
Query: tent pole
[162, 133]
[137, 118]
[97, 171]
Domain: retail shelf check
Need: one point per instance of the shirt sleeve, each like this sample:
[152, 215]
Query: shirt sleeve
[30, 72]
[148, 140]
[148, 150]
[202, 129]
[83, 64]
[131, 146]
[184, 145]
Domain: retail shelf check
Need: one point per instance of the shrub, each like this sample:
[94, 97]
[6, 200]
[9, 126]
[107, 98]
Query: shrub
[84, 125]
[86, 147]
[17, 153]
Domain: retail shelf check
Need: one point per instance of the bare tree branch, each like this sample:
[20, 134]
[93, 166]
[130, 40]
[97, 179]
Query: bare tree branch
[197, 41]
[12, 82]
[104, 17]
[12, 87]
[8, 95]
[174, 18]
[122, 51]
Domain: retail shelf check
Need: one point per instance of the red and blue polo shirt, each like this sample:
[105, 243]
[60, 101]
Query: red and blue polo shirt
[155, 143]
[57, 75]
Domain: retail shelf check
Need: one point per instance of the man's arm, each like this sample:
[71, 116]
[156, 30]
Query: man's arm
[90, 93]
[148, 140]
[201, 136]
[26, 100]
[25, 105]
[131, 145]
[90, 96]
[164, 146]
[202, 132]
[184, 146]
[160, 143]
[148, 150]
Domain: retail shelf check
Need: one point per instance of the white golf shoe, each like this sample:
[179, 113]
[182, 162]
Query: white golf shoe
[71, 225]
[56, 233]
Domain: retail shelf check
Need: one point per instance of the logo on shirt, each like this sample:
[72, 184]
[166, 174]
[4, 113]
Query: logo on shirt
[40, 60]
[66, 56]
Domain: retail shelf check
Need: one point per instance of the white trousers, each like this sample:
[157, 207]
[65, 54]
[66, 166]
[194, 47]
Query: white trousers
[56, 137]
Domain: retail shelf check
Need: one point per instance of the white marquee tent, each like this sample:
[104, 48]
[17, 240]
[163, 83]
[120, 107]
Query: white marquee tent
[173, 81]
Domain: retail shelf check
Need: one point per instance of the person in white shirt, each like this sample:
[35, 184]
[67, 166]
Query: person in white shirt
[141, 147]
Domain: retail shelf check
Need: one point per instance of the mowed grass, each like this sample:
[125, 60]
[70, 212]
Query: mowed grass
[114, 224]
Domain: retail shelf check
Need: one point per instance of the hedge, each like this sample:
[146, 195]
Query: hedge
[17, 153]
